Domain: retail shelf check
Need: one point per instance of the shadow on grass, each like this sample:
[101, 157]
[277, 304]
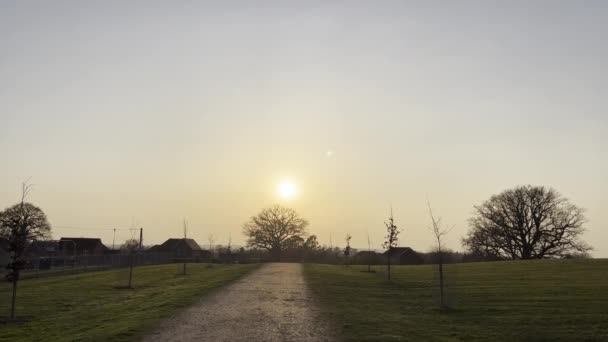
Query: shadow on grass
[124, 287]
[17, 320]
[446, 310]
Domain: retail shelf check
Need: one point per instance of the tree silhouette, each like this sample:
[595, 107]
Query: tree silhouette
[391, 240]
[527, 222]
[347, 249]
[274, 229]
[21, 224]
[439, 231]
[130, 245]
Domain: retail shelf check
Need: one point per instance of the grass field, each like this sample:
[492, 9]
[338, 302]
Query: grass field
[544, 300]
[90, 307]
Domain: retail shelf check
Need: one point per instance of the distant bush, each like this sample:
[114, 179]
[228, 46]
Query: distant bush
[582, 255]
[448, 257]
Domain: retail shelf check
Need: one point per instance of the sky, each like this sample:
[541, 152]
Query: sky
[131, 114]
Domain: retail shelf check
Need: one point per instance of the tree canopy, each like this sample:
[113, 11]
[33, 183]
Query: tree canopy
[392, 234]
[21, 224]
[130, 245]
[275, 229]
[527, 222]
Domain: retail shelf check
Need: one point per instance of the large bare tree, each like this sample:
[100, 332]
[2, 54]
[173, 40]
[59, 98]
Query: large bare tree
[527, 222]
[274, 229]
[21, 224]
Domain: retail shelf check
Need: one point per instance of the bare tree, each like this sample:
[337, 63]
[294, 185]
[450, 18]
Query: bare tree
[347, 249]
[274, 229]
[311, 246]
[369, 253]
[228, 254]
[211, 240]
[130, 245]
[133, 246]
[439, 231]
[392, 238]
[526, 222]
[21, 224]
[185, 237]
[311, 243]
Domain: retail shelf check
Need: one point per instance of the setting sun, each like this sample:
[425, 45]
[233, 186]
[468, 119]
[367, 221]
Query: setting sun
[329, 169]
[287, 189]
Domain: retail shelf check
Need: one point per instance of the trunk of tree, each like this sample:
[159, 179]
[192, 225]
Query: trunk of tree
[130, 269]
[276, 254]
[526, 252]
[14, 299]
[388, 266]
[441, 302]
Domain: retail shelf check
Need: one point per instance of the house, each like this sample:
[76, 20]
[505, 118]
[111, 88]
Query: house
[82, 246]
[43, 249]
[403, 256]
[181, 248]
[153, 249]
[44, 254]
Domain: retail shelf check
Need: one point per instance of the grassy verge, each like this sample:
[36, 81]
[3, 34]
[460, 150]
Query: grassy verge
[544, 300]
[90, 307]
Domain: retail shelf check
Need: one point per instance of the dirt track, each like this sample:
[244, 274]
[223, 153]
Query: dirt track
[271, 304]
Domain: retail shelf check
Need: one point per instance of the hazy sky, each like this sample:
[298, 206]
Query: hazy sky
[142, 113]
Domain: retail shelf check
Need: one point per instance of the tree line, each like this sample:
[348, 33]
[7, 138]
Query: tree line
[526, 222]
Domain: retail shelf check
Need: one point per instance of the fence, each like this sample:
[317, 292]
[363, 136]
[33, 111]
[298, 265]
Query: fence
[64, 264]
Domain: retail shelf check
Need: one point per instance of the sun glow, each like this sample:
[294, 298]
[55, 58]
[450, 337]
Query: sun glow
[287, 189]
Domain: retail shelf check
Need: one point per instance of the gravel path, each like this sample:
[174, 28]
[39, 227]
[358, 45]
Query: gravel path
[271, 304]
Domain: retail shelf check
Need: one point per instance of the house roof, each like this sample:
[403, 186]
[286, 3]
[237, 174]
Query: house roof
[362, 253]
[47, 246]
[82, 244]
[154, 248]
[172, 244]
[396, 251]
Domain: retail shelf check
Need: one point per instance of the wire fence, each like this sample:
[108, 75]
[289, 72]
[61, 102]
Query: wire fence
[66, 264]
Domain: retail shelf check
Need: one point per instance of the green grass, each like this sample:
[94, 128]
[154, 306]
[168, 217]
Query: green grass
[89, 307]
[543, 300]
